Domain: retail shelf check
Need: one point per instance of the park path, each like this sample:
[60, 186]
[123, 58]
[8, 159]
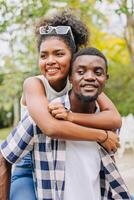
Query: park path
[126, 167]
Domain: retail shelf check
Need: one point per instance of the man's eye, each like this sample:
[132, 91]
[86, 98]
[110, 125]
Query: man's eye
[80, 72]
[99, 73]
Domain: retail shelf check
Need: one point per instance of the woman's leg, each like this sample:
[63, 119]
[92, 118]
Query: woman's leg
[22, 185]
[132, 197]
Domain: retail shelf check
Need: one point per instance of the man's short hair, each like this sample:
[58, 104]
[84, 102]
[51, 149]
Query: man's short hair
[90, 51]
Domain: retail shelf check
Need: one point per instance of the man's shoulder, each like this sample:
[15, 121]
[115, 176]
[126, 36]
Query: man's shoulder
[63, 100]
[59, 99]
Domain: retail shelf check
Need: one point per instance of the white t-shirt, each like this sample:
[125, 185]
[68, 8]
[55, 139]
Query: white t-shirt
[82, 178]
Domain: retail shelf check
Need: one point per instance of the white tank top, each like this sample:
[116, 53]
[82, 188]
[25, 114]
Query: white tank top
[50, 92]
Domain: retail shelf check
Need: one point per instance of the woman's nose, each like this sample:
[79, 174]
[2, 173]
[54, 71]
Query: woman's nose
[50, 60]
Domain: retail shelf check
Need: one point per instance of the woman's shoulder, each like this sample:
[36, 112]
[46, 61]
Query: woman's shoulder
[33, 83]
[33, 80]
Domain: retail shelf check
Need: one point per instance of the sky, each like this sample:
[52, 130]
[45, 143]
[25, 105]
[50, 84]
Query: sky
[116, 23]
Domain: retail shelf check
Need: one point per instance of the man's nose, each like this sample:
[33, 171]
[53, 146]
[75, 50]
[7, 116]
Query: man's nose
[90, 76]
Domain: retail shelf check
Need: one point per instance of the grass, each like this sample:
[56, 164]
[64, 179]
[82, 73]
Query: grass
[4, 132]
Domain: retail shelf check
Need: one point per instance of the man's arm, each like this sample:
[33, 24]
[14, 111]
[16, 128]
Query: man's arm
[5, 174]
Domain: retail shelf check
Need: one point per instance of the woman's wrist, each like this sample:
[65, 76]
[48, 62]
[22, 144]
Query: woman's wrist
[104, 138]
[70, 116]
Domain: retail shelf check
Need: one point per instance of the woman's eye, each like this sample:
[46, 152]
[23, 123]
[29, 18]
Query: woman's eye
[60, 54]
[43, 56]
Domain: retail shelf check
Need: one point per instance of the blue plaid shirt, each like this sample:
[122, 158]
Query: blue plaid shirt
[48, 157]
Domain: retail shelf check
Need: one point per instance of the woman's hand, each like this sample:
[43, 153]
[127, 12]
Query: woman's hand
[112, 142]
[58, 111]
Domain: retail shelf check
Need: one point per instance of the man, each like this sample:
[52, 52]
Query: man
[83, 159]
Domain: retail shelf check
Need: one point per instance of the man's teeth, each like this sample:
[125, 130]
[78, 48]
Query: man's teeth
[52, 70]
[89, 86]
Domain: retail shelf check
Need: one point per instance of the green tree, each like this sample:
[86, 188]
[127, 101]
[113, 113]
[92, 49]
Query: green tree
[17, 20]
[125, 10]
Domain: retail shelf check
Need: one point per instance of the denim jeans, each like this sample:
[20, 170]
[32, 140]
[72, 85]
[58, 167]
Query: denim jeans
[22, 185]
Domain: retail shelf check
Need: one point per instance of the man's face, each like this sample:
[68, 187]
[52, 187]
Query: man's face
[88, 77]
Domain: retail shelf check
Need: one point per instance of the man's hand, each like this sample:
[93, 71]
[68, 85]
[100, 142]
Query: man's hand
[58, 111]
[5, 174]
[112, 142]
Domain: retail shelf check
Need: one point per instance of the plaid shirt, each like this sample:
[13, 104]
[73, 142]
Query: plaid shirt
[48, 157]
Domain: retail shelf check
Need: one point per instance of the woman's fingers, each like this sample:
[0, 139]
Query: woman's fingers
[55, 106]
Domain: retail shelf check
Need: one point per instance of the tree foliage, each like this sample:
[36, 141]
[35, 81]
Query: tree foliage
[17, 19]
[125, 10]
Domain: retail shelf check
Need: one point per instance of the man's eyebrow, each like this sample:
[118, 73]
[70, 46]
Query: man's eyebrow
[79, 66]
[99, 67]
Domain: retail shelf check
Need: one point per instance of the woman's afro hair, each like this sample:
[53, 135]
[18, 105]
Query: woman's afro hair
[79, 29]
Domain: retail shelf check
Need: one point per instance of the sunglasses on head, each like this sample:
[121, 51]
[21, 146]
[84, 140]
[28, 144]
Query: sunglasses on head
[58, 30]
[54, 29]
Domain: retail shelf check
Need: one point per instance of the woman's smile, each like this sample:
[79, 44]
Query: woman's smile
[52, 70]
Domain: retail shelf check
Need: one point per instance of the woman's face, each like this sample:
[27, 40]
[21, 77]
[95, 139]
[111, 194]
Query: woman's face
[54, 60]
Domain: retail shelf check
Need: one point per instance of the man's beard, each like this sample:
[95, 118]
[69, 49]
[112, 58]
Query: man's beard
[87, 98]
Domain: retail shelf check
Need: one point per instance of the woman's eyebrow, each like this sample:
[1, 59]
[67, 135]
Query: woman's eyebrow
[54, 50]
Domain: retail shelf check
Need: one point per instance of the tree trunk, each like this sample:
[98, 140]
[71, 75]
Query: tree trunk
[129, 37]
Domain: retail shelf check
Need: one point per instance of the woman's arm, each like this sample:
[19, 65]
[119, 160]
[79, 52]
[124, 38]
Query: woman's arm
[112, 115]
[108, 118]
[37, 105]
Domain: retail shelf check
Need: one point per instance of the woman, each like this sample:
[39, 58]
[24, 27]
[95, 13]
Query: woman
[58, 38]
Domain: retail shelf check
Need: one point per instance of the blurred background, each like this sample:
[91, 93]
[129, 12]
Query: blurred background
[111, 25]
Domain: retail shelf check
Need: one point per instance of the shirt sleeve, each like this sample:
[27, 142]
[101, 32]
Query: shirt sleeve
[20, 141]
